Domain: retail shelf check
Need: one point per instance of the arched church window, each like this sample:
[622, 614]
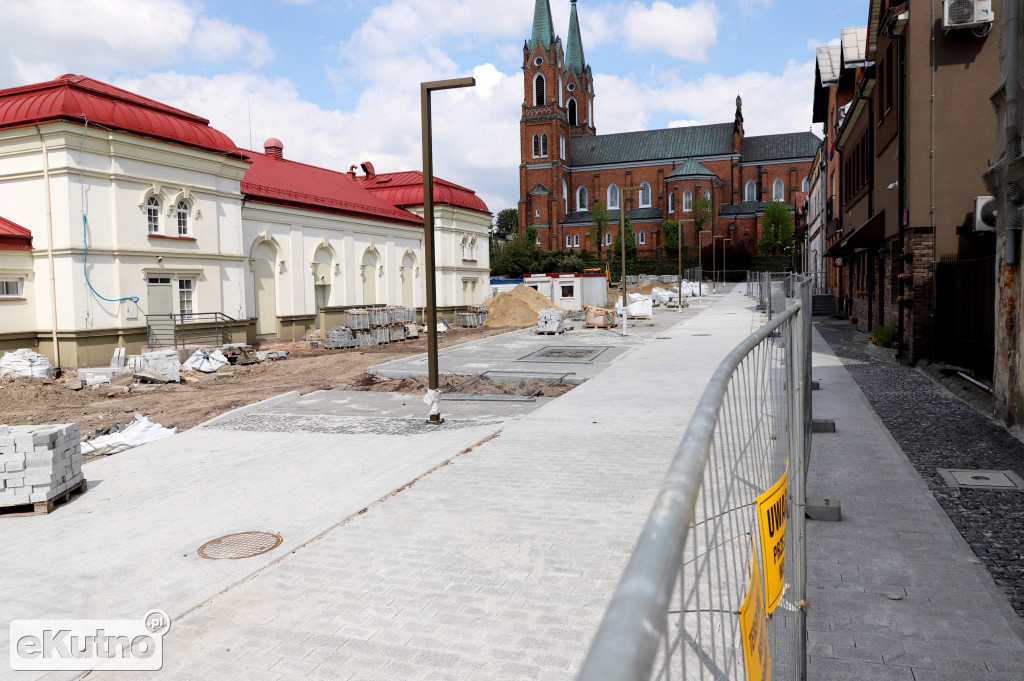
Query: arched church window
[565, 194]
[671, 202]
[613, 196]
[538, 90]
[778, 191]
[645, 195]
[751, 191]
[805, 185]
[572, 112]
[544, 145]
[687, 201]
[581, 199]
[536, 146]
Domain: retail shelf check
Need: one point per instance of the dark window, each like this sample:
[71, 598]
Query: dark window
[572, 112]
[538, 91]
[536, 146]
[543, 145]
[888, 79]
[567, 291]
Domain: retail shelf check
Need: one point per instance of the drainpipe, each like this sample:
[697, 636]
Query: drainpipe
[1013, 134]
[901, 103]
[49, 249]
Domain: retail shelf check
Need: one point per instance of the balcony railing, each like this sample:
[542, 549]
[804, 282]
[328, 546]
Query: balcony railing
[190, 329]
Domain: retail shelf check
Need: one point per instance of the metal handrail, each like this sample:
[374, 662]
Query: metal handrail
[177, 329]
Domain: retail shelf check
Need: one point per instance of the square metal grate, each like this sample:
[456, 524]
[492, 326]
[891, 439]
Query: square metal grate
[981, 479]
[565, 354]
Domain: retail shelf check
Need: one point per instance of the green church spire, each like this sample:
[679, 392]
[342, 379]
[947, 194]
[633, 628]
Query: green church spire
[543, 29]
[574, 60]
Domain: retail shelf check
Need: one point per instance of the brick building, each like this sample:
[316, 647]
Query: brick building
[654, 175]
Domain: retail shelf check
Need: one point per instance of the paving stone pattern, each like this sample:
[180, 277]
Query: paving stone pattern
[342, 425]
[937, 430]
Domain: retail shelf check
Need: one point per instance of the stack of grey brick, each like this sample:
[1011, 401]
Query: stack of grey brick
[37, 463]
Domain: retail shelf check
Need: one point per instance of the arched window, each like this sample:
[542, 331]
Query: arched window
[538, 90]
[575, 240]
[182, 214]
[645, 195]
[707, 195]
[641, 238]
[581, 199]
[568, 241]
[153, 214]
[613, 196]
[590, 112]
[778, 191]
[607, 238]
[544, 145]
[687, 201]
[559, 83]
[565, 194]
[561, 146]
[751, 192]
[536, 146]
[671, 202]
[572, 112]
[805, 185]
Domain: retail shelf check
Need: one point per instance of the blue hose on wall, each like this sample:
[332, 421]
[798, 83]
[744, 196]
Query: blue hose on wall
[85, 267]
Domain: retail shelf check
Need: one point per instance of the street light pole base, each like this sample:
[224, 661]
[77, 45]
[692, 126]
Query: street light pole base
[435, 419]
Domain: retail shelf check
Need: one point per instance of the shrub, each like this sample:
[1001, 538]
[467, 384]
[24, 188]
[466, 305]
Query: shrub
[883, 336]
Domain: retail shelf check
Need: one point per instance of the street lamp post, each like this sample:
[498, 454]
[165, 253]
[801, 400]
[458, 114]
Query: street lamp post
[622, 238]
[700, 263]
[723, 258]
[714, 262]
[428, 224]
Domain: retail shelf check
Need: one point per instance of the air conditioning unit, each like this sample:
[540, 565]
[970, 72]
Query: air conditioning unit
[985, 214]
[966, 14]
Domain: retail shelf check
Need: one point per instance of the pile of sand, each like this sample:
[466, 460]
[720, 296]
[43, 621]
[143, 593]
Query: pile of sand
[648, 289]
[518, 307]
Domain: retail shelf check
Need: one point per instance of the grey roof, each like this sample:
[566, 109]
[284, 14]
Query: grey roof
[586, 217]
[745, 208]
[855, 45]
[690, 168]
[651, 145]
[777, 147]
[829, 63]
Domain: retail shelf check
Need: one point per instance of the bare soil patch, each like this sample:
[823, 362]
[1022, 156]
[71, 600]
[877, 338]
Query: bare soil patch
[33, 401]
[481, 386]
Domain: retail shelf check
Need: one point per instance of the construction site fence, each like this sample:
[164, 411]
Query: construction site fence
[716, 585]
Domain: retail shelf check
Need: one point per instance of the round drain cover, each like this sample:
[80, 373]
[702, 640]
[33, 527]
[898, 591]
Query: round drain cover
[241, 545]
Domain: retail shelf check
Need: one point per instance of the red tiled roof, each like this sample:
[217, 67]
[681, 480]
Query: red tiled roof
[78, 98]
[406, 189]
[284, 181]
[14, 237]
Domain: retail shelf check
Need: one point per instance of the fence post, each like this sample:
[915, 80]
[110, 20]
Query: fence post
[799, 382]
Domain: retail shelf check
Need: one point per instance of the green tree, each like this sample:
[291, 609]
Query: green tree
[670, 228]
[507, 222]
[701, 213]
[600, 217]
[519, 257]
[776, 229]
[630, 242]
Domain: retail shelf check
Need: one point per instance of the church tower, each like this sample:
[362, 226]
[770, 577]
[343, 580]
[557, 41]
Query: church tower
[558, 103]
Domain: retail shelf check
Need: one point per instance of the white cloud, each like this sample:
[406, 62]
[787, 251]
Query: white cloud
[684, 123]
[686, 32]
[41, 40]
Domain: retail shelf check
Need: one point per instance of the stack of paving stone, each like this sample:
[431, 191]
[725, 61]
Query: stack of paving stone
[475, 315]
[550, 321]
[397, 332]
[357, 320]
[38, 463]
[340, 337]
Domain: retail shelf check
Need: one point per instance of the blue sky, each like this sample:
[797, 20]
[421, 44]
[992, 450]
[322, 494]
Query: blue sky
[337, 80]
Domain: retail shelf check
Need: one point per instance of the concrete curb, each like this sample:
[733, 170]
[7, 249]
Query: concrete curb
[238, 411]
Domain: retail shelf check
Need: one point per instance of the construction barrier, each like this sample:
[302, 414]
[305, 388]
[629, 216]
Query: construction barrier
[716, 585]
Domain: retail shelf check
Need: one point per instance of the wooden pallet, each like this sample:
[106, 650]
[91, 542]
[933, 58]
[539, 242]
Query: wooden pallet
[549, 333]
[600, 326]
[44, 507]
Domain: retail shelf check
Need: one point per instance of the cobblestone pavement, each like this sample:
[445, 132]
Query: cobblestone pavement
[937, 430]
[344, 425]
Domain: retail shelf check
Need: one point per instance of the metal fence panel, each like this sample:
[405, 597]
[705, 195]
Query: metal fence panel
[674, 614]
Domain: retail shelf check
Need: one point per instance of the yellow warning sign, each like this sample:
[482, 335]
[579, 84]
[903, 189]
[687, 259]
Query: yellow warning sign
[771, 520]
[754, 626]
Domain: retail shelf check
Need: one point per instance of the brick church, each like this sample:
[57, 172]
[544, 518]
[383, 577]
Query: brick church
[566, 166]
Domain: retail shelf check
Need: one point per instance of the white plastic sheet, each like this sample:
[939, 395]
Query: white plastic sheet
[138, 433]
[25, 363]
[433, 400]
[639, 306]
[207, 362]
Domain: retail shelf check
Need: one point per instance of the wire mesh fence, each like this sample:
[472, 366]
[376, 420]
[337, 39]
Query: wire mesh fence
[716, 584]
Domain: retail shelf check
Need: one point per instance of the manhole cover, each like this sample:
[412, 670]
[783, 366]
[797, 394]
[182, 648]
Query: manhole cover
[241, 545]
[985, 479]
[567, 354]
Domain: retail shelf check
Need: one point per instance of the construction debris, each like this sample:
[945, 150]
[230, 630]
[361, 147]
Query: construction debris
[550, 321]
[206, 361]
[25, 363]
[138, 432]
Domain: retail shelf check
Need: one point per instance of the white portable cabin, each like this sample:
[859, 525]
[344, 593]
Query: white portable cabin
[571, 291]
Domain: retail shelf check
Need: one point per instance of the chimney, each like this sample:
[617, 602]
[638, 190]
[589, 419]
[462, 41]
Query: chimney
[368, 168]
[274, 147]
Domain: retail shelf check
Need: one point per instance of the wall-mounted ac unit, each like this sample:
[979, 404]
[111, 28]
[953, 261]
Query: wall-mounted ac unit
[985, 214]
[966, 14]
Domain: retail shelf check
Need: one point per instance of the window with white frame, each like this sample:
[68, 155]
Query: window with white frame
[186, 293]
[568, 241]
[778, 191]
[608, 239]
[645, 195]
[613, 196]
[153, 214]
[590, 112]
[581, 199]
[536, 146]
[707, 195]
[805, 185]
[538, 90]
[559, 83]
[561, 146]
[181, 211]
[538, 240]
[565, 194]
[687, 201]
[671, 202]
[750, 193]
[575, 240]
[11, 288]
[641, 238]
[544, 145]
